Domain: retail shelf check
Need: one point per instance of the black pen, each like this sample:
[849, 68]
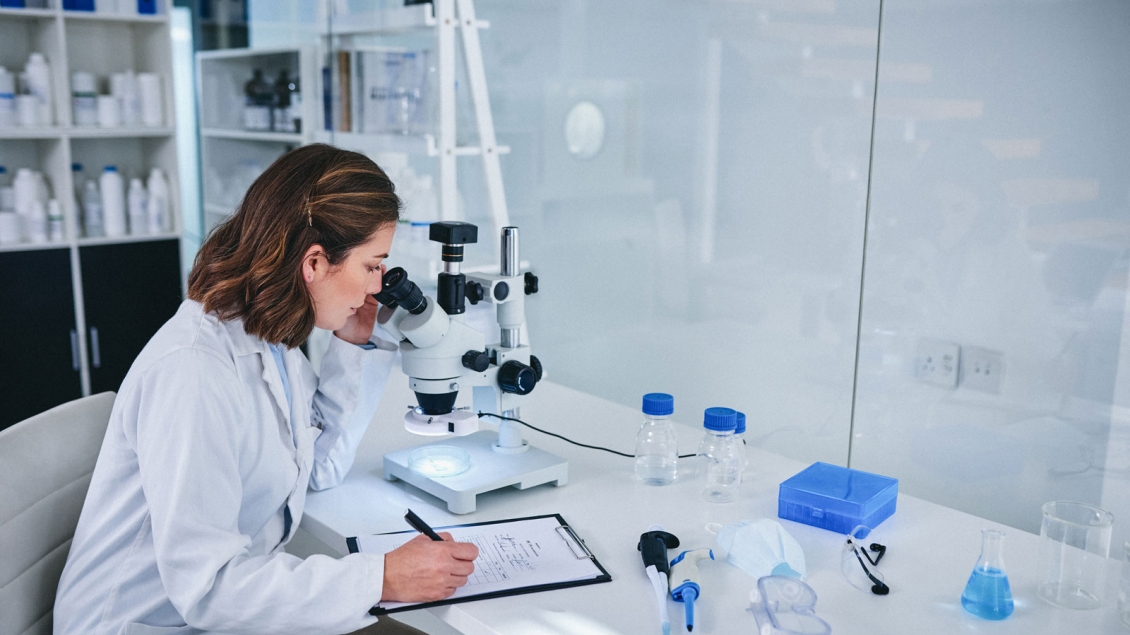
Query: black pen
[419, 525]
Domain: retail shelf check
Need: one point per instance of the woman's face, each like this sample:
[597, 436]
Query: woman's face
[339, 290]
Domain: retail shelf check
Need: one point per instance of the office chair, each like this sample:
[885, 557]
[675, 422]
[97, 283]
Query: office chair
[45, 467]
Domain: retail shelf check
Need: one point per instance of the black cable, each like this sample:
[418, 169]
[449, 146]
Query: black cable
[554, 434]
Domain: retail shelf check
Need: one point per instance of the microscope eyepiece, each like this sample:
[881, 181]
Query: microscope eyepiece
[398, 290]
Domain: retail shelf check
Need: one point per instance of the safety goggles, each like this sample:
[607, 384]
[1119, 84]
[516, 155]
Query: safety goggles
[857, 565]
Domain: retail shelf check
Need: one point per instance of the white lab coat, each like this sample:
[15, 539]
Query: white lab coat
[183, 522]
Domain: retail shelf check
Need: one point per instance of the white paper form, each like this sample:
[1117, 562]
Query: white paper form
[512, 555]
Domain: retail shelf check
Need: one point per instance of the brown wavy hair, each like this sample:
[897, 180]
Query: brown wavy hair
[250, 267]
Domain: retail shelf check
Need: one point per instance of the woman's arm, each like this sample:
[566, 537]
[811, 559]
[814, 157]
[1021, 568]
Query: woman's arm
[193, 449]
[349, 389]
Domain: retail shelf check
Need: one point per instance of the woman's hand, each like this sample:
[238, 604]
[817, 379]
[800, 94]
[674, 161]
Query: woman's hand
[423, 570]
[359, 326]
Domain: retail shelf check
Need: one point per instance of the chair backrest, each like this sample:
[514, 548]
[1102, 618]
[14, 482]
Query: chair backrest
[45, 467]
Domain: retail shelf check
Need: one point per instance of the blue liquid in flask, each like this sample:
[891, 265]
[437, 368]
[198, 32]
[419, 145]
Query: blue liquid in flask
[988, 594]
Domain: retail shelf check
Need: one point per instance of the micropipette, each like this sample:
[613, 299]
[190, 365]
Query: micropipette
[684, 570]
[653, 548]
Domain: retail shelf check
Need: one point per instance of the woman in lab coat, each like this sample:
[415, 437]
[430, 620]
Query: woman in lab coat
[221, 425]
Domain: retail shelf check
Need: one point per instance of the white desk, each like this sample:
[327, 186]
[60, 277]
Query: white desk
[931, 549]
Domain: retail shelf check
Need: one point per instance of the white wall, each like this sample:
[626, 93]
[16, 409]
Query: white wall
[714, 247]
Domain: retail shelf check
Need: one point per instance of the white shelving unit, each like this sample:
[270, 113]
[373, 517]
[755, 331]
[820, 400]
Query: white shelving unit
[231, 156]
[101, 44]
[443, 19]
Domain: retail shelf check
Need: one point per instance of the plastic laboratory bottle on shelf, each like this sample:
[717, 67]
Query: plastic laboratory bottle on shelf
[138, 199]
[92, 210]
[39, 86]
[987, 594]
[24, 190]
[656, 443]
[55, 231]
[151, 101]
[7, 98]
[84, 99]
[157, 207]
[113, 202]
[124, 87]
[36, 222]
[717, 458]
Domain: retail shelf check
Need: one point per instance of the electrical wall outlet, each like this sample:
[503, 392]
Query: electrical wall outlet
[981, 369]
[936, 362]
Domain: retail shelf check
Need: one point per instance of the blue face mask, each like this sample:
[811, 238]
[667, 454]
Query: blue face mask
[761, 548]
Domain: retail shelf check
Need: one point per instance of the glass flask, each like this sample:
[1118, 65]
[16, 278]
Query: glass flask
[987, 594]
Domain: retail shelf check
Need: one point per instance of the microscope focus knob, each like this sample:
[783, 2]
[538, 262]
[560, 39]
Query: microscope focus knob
[477, 361]
[474, 292]
[535, 364]
[516, 377]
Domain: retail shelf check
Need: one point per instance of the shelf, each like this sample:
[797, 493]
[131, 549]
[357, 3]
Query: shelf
[104, 240]
[252, 135]
[114, 17]
[225, 54]
[31, 133]
[34, 246]
[393, 20]
[86, 242]
[408, 144]
[371, 143]
[115, 133]
[28, 14]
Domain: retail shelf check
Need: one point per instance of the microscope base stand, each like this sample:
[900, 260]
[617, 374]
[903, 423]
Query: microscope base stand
[489, 471]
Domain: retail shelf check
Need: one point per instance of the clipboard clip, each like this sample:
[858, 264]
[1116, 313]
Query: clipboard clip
[574, 541]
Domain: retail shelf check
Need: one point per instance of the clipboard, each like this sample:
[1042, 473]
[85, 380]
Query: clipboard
[583, 557]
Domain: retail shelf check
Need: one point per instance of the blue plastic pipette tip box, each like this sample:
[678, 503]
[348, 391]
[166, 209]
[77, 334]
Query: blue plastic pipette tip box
[837, 498]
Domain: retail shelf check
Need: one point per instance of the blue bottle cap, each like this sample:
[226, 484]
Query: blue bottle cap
[3, 169]
[76, 167]
[658, 404]
[111, 168]
[740, 428]
[720, 419]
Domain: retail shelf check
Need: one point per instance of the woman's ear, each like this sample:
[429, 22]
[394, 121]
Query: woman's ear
[314, 264]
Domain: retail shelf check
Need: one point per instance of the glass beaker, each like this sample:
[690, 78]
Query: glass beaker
[1124, 589]
[1074, 545]
[988, 594]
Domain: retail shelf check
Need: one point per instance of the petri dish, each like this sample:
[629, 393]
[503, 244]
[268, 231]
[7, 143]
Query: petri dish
[439, 460]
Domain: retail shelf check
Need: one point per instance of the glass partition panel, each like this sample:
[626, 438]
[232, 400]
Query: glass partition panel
[999, 235]
[708, 241]
[690, 181]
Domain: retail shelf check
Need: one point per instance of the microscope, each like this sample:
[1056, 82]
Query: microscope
[442, 356]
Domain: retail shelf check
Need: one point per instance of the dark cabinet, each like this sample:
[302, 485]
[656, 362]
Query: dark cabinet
[39, 356]
[129, 291]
